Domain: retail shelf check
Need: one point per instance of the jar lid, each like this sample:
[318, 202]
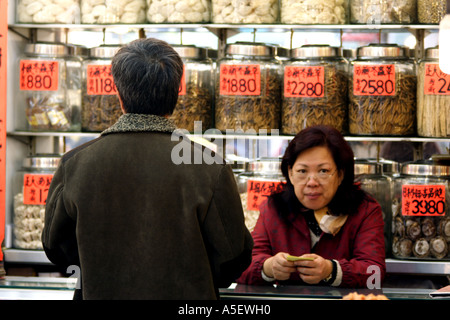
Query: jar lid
[316, 51]
[382, 50]
[250, 49]
[387, 166]
[281, 52]
[367, 167]
[190, 51]
[425, 168]
[49, 161]
[267, 166]
[432, 53]
[47, 48]
[78, 51]
[104, 51]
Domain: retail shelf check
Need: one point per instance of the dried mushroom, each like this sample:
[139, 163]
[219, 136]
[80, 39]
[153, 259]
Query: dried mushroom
[421, 248]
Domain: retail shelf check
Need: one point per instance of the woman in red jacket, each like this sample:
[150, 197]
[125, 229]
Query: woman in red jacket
[321, 214]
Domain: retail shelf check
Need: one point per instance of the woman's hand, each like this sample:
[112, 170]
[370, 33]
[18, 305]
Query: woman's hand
[279, 267]
[313, 272]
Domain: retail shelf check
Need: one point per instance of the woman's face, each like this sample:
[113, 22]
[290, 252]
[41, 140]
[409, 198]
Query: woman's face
[315, 177]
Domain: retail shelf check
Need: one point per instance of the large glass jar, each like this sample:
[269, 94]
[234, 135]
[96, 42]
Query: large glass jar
[195, 97]
[245, 11]
[376, 12]
[113, 11]
[314, 11]
[314, 89]
[44, 84]
[433, 97]
[261, 178]
[248, 88]
[431, 11]
[179, 11]
[48, 11]
[100, 104]
[30, 194]
[370, 174]
[421, 216]
[382, 91]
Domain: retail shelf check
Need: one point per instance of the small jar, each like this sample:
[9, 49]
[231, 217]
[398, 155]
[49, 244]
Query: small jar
[44, 89]
[261, 178]
[314, 12]
[245, 11]
[433, 97]
[179, 11]
[48, 11]
[30, 194]
[382, 91]
[431, 11]
[315, 89]
[383, 12]
[100, 104]
[248, 88]
[113, 11]
[196, 90]
[421, 216]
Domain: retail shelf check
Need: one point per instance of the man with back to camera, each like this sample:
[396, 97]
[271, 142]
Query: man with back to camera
[139, 225]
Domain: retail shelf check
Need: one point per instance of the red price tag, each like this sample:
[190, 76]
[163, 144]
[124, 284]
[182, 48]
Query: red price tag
[436, 82]
[374, 80]
[240, 80]
[39, 75]
[35, 188]
[258, 191]
[304, 82]
[100, 80]
[182, 90]
[423, 200]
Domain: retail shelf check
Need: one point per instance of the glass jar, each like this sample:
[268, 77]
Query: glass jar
[43, 88]
[382, 91]
[314, 12]
[196, 92]
[30, 194]
[370, 174]
[261, 178]
[248, 88]
[433, 97]
[376, 12]
[421, 216]
[431, 11]
[245, 11]
[48, 11]
[113, 11]
[315, 89]
[179, 11]
[100, 104]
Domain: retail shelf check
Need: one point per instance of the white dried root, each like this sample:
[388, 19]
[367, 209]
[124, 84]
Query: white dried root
[245, 11]
[178, 11]
[313, 12]
[113, 11]
[48, 11]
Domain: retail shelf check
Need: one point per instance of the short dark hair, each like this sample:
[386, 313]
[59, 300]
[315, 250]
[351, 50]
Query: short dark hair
[147, 74]
[348, 196]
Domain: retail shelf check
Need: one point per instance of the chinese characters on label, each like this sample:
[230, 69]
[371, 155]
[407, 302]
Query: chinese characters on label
[39, 75]
[436, 82]
[243, 79]
[304, 82]
[100, 80]
[258, 191]
[423, 200]
[35, 188]
[374, 80]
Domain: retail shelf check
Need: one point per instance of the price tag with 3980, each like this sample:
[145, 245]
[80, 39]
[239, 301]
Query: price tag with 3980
[423, 200]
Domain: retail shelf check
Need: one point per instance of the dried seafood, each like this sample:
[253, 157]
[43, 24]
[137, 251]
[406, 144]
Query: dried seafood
[439, 247]
[375, 12]
[403, 247]
[413, 230]
[431, 11]
[421, 248]
[444, 228]
[428, 228]
[99, 112]
[299, 113]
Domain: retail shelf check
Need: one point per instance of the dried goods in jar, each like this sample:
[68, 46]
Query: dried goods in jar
[28, 224]
[431, 11]
[421, 248]
[48, 11]
[375, 12]
[47, 113]
[113, 11]
[314, 11]
[250, 216]
[176, 11]
[99, 112]
[428, 227]
[413, 230]
[444, 228]
[438, 247]
[245, 11]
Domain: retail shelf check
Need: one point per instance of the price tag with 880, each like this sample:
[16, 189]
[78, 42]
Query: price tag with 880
[304, 82]
[38, 75]
[243, 79]
[100, 80]
[436, 82]
[374, 80]
[423, 200]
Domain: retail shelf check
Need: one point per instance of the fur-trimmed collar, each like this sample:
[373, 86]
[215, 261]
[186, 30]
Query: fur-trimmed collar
[135, 122]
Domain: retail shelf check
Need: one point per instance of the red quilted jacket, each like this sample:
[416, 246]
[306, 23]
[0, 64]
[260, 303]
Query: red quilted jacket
[358, 245]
